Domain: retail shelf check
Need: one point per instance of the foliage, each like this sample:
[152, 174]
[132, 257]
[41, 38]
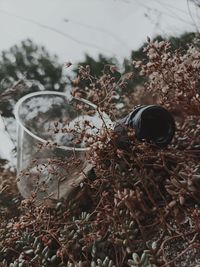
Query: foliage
[98, 65]
[173, 75]
[42, 71]
[140, 207]
[137, 261]
[30, 62]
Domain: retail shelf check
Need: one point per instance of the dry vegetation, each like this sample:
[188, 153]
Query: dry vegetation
[137, 207]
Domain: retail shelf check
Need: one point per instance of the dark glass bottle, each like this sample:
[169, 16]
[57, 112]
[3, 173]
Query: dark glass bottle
[152, 124]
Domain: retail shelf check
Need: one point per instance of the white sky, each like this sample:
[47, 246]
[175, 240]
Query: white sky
[111, 27]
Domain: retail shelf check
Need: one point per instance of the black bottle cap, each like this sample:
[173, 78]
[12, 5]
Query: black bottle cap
[152, 123]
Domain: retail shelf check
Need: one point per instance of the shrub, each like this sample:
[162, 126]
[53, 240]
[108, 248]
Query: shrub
[138, 207]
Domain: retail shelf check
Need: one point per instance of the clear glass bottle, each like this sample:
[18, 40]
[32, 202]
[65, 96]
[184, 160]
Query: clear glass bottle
[50, 150]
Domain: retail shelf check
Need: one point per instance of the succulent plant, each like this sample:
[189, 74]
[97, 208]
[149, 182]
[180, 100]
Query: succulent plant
[134, 197]
[142, 261]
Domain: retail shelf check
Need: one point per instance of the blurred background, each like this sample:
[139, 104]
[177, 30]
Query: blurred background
[71, 28]
[38, 38]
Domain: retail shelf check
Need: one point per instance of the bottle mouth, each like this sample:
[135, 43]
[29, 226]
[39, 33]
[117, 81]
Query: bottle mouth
[153, 124]
[23, 102]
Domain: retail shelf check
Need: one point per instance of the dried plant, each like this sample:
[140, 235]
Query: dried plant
[173, 75]
[135, 208]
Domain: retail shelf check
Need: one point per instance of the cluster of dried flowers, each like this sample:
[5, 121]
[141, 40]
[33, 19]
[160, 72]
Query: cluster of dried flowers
[173, 76]
[138, 207]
